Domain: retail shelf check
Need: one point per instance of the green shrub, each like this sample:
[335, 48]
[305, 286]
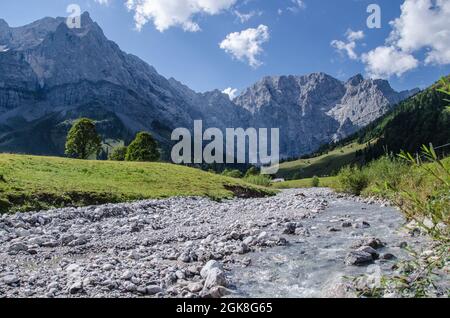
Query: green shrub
[353, 180]
[144, 148]
[315, 182]
[118, 154]
[261, 180]
[232, 173]
[253, 171]
[386, 169]
[83, 140]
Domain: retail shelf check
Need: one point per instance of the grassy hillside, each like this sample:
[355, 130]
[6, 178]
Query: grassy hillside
[30, 182]
[421, 119]
[324, 165]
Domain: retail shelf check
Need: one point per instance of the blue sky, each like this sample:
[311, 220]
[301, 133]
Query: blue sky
[296, 38]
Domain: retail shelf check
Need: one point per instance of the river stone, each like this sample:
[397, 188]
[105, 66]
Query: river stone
[372, 242]
[369, 250]
[195, 287]
[216, 277]
[289, 228]
[242, 249]
[216, 292]
[66, 239]
[333, 229]
[388, 256]
[153, 290]
[127, 275]
[361, 225]
[358, 258]
[10, 279]
[262, 236]
[18, 247]
[50, 244]
[208, 267]
[248, 240]
[76, 287]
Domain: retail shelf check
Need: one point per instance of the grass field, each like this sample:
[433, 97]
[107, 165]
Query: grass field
[325, 165]
[326, 182]
[31, 182]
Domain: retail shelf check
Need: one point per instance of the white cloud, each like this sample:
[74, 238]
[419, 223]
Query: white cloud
[354, 35]
[169, 13]
[423, 24]
[244, 17]
[349, 46]
[246, 45]
[104, 2]
[231, 92]
[297, 5]
[385, 61]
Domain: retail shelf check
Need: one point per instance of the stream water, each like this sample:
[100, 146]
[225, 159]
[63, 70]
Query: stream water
[309, 265]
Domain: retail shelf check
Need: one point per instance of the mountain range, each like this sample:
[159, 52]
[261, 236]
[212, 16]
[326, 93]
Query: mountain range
[51, 75]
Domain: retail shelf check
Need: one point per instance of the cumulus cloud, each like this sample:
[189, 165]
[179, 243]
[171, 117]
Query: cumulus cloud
[231, 92]
[423, 24]
[169, 13]
[104, 2]
[349, 46]
[247, 45]
[385, 61]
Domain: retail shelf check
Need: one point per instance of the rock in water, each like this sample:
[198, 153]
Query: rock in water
[358, 258]
[369, 250]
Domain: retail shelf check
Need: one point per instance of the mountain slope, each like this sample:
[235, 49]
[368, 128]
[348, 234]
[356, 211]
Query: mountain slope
[421, 119]
[50, 75]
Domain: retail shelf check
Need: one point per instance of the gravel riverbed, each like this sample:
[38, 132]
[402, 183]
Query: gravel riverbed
[178, 247]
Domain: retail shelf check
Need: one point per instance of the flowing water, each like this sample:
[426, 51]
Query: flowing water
[309, 265]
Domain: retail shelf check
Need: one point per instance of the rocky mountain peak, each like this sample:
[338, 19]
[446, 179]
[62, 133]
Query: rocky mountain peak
[355, 80]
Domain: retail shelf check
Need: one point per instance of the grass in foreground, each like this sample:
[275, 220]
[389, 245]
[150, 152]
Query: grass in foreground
[32, 183]
[324, 165]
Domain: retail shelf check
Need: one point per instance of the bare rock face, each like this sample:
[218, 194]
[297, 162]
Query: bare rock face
[315, 109]
[51, 74]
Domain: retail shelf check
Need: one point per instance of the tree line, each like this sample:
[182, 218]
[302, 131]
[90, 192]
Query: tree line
[83, 142]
